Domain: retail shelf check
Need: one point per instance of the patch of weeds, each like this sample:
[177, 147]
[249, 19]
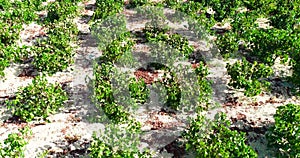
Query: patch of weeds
[222, 8]
[155, 32]
[13, 14]
[176, 42]
[9, 32]
[4, 60]
[180, 43]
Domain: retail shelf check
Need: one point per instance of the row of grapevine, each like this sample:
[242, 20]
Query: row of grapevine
[248, 36]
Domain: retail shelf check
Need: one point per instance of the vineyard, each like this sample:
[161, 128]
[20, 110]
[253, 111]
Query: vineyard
[149, 78]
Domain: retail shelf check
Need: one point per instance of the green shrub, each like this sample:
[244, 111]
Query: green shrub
[115, 109]
[191, 8]
[4, 60]
[60, 11]
[12, 53]
[285, 14]
[138, 90]
[284, 135]
[215, 139]
[38, 99]
[118, 47]
[158, 34]
[9, 33]
[227, 44]
[173, 3]
[157, 24]
[103, 93]
[36, 4]
[249, 76]
[180, 43]
[102, 150]
[137, 3]
[267, 44]
[263, 7]
[12, 16]
[17, 12]
[155, 31]
[114, 143]
[223, 8]
[105, 8]
[205, 91]
[110, 29]
[243, 22]
[55, 53]
[15, 143]
[296, 76]
[172, 90]
[102, 86]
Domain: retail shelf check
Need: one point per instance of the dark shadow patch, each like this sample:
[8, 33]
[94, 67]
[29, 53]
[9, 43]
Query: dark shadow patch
[14, 120]
[177, 148]
[280, 87]
[68, 152]
[88, 40]
[90, 7]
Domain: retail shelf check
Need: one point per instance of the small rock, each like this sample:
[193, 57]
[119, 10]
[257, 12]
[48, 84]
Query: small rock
[219, 26]
[72, 147]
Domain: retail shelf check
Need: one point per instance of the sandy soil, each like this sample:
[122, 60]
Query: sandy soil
[70, 130]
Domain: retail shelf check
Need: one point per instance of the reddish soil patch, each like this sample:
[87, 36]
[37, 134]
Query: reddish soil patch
[157, 124]
[150, 76]
[260, 103]
[241, 116]
[195, 65]
[272, 101]
[146, 75]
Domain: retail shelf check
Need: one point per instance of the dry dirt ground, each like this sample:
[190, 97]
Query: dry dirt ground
[69, 132]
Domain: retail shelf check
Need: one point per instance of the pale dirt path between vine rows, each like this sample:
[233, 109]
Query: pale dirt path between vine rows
[69, 133]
